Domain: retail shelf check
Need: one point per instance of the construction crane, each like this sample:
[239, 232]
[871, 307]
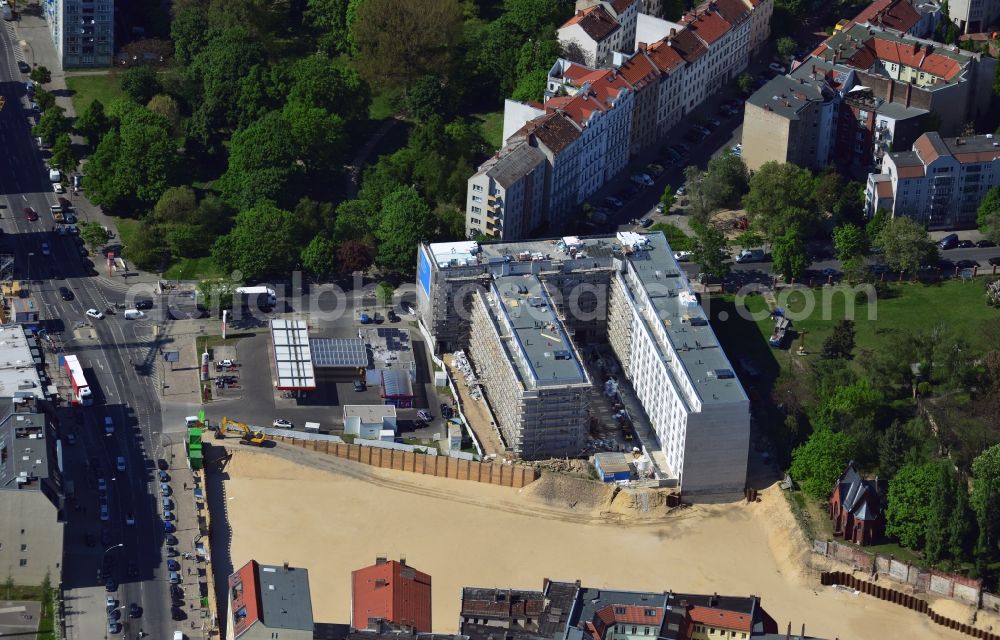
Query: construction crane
[247, 434]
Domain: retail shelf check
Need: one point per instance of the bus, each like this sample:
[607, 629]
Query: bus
[81, 390]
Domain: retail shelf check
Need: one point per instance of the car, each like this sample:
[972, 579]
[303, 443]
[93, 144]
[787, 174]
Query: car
[175, 577]
[143, 305]
[109, 425]
[94, 313]
[105, 515]
[985, 244]
[114, 628]
[176, 613]
[171, 540]
[424, 415]
[70, 218]
[359, 385]
[966, 264]
[23, 67]
[172, 552]
[111, 585]
[392, 315]
[134, 611]
[642, 179]
[111, 603]
[162, 465]
[130, 519]
[227, 363]
[176, 591]
[173, 565]
[120, 463]
[965, 244]
[30, 214]
[994, 261]
[168, 515]
[777, 68]
[645, 223]
[165, 489]
[950, 241]
[377, 318]
[102, 485]
[65, 293]
[682, 256]
[57, 187]
[364, 318]
[114, 614]
[613, 202]
[282, 424]
[167, 504]
[447, 412]
[168, 527]
[164, 476]
[659, 208]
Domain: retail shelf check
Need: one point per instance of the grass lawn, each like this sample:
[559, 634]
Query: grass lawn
[382, 105]
[128, 230]
[491, 126]
[678, 241]
[86, 89]
[46, 626]
[193, 269]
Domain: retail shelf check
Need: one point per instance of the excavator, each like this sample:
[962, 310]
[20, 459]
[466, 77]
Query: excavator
[247, 434]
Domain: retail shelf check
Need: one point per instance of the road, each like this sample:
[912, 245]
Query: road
[46, 261]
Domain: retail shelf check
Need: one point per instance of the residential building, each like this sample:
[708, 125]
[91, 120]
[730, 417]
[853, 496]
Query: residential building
[724, 28]
[669, 100]
[590, 36]
[793, 119]
[569, 611]
[760, 24]
[973, 16]
[267, 602]
[557, 137]
[939, 182]
[623, 290]
[506, 195]
[532, 375]
[32, 487]
[868, 126]
[371, 421]
[83, 31]
[393, 593]
[916, 19]
[625, 13]
[644, 77]
[856, 508]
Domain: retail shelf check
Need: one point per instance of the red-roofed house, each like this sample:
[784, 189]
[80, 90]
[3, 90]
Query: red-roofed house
[640, 72]
[898, 15]
[391, 592]
[669, 102]
[626, 13]
[266, 600]
[591, 35]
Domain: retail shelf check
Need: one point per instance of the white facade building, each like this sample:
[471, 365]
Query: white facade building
[83, 31]
[506, 196]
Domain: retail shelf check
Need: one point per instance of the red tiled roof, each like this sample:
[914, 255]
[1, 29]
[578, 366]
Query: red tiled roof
[608, 88]
[733, 11]
[243, 591]
[919, 57]
[595, 21]
[688, 45]
[721, 619]
[708, 25]
[579, 107]
[891, 14]
[555, 130]
[577, 73]
[638, 71]
[620, 6]
[665, 58]
[629, 614]
[393, 592]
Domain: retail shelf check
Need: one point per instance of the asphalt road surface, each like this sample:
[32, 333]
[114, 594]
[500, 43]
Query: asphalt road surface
[48, 260]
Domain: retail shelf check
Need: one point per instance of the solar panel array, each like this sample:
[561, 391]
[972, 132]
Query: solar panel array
[338, 352]
[395, 340]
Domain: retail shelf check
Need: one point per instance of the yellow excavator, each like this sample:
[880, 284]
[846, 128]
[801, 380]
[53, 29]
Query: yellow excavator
[247, 434]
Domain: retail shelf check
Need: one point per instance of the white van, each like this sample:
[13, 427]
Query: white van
[134, 314]
[54, 175]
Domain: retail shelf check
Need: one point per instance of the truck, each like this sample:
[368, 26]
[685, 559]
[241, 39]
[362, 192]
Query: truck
[259, 297]
[751, 255]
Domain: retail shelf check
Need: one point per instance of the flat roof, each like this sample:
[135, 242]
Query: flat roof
[390, 346]
[19, 358]
[787, 96]
[292, 356]
[22, 435]
[338, 352]
[544, 354]
[369, 413]
[284, 598]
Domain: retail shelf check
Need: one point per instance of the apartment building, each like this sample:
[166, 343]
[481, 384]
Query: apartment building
[557, 137]
[392, 593]
[669, 101]
[974, 16]
[760, 24]
[625, 291]
[644, 77]
[531, 373]
[625, 13]
[918, 18]
[267, 602]
[83, 31]
[569, 610]
[723, 26]
[590, 36]
[506, 195]
[939, 182]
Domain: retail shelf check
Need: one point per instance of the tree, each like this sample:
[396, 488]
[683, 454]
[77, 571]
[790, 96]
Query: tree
[176, 205]
[531, 87]
[405, 220]
[849, 242]
[401, 41]
[188, 240]
[262, 164]
[818, 463]
[63, 157]
[140, 83]
[45, 99]
[92, 123]
[749, 239]
[189, 32]
[384, 292]
[354, 255]
[711, 251]
[988, 215]
[985, 499]
[905, 245]
[745, 82]
[425, 98]
[875, 225]
[781, 197]
[264, 241]
[41, 75]
[320, 81]
[319, 257]
[726, 180]
[51, 125]
[909, 512]
[217, 294]
[840, 343]
[786, 48]
[93, 234]
[167, 107]
[700, 206]
[788, 253]
[328, 21]
[667, 199]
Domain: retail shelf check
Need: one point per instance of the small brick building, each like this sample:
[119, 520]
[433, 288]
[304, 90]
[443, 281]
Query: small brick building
[856, 508]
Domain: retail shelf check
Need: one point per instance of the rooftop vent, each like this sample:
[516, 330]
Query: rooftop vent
[724, 374]
[562, 355]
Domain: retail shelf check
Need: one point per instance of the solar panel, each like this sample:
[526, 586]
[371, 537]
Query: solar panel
[339, 352]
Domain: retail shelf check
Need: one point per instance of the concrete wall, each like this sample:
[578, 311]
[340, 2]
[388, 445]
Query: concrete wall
[28, 520]
[765, 137]
[716, 450]
[504, 475]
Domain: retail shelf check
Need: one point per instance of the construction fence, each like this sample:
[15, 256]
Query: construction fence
[947, 585]
[840, 578]
[505, 475]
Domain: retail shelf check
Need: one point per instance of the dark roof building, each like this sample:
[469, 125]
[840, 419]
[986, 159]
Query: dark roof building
[265, 599]
[856, 508]
[391, 592]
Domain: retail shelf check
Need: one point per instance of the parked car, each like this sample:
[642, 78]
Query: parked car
[173, 565]
[777, 68]
[94, 313]
[424, 415]
[359, 385]
[120, 463]
[994, 261]
[682, 256]
[164, 476]
[642, 179]
[613, 202]
[646, 223]
[171, 540]
[984, 244]
[282, 424]
[23, 67]
[965, 244]
[950, 241]
[966, 264]
[680, 191]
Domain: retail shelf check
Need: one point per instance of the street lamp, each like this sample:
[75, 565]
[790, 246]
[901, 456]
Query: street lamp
[117, 546]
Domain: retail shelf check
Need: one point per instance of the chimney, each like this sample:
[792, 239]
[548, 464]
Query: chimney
[285, 565]
[380, 560]
[788, 633]
[803, 629]
[673, 32]
[642, 46]
[402, 560]
[909, 89]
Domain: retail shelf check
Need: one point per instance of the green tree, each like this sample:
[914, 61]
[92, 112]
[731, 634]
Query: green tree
[167, 107]
[726, 180]
[189, 32]
[93, 123]
[849, 242]
[780, 198]
[749, 239]
[786, 48]
[909, 512]
[264, 241]
[149, 249]
[875, 225]
[316, 137]
[63, 157]
[93, 234]
[41, 75]
[384, 292]
[700, 205]
[140, 83]
[425, 98]
[51, 125]
[188, 240]
[320, 81]
[319, 257]
[745, 82]
[262, 164]
[217, 294]
[667, 199]
[985, 499]
[402, 41]
[405, 220]
[840, 343]
[788, 253]
[818, 463]
[711, 251]
[327, 20]
[531, 86]
[45, 99]
[176, 205]
[905, 244]
[988, 215]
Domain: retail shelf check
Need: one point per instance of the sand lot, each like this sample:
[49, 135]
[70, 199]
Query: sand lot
[335, 516]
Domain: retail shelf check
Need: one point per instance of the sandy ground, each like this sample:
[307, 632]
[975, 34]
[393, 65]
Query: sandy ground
[334, 516]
